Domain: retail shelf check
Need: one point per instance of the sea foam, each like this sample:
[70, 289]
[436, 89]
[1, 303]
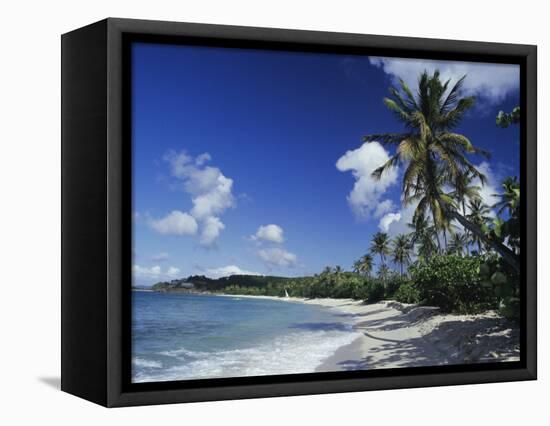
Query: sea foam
[294, 353]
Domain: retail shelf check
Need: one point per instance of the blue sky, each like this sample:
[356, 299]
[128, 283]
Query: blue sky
[252, 161]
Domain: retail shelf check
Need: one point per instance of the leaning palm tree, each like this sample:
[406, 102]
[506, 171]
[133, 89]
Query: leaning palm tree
[401, 250]
[479, 216]
[380, 245]
[433, 154]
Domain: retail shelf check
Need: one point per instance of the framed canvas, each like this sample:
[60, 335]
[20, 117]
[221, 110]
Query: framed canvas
[255, 212]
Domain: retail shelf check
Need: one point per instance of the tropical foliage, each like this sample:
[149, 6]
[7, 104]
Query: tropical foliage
[505, 119]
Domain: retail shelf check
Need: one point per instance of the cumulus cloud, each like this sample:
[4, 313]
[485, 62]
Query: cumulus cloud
[202, 158]
[175, 223]
[383, 207]
[226, 271]
[211, 192]
[271, 233]
[397, 222]
[278, 258]
[365, 197]
[211, 228]
[143, 274]
[489, 192]
[491, 82]
[387, 220]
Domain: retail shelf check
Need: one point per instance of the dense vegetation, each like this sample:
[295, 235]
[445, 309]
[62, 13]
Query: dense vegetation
[460, 254]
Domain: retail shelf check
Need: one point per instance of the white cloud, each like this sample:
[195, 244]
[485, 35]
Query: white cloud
[387, 220]
[161, 257]
[489, 191]
[143, 274]
[397, 223]
[272, 233]
[365, 197]
[175, 223]
[225, 271]
[211, 228]
[211, 192]
[383, 207]
[172, 271]
[202, 158]
[491, 82]
[278, 257]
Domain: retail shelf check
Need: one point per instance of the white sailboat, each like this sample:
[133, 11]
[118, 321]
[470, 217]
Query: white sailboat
[286, 294]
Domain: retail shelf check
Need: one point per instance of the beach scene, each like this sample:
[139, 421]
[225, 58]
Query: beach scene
[298, 212]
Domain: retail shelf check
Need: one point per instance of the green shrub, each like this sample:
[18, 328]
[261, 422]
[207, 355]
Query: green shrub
[393, 283]
[503, 281]
[453, 283]
[373, 291]
[407, 293]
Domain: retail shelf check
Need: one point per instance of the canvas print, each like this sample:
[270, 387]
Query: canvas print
[303, 212]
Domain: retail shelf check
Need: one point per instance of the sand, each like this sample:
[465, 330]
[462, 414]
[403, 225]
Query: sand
[395, 335]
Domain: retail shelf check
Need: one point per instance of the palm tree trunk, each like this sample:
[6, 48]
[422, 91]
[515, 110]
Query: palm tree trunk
[465, 230]
[436, 234]
[508, 255]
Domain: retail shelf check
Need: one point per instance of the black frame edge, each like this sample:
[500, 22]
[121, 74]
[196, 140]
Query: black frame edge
[529, 126]
[83, 212]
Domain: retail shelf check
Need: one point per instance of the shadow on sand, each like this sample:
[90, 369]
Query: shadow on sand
[453, 342]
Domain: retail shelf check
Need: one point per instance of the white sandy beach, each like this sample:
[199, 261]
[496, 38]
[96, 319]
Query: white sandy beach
[399, 335]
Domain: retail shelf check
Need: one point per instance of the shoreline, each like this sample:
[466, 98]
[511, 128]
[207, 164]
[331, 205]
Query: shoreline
[396, 335]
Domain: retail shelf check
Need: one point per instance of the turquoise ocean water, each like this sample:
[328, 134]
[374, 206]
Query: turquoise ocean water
[188, 336]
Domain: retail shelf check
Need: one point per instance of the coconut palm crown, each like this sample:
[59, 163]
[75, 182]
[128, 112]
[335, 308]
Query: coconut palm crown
[433, 155]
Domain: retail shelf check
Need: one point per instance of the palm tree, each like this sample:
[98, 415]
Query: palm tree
[509, 199]
[479, 216]
[380, 245]
[401, 251]
[364, 265]
[426, 247]
[383, 273]
[458, 243]
[432, 153]
[464, 191]
[337, 274]
[422, 235]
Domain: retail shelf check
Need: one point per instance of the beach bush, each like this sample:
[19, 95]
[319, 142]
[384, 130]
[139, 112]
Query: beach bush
[453, 283]
[393, 283]
[503, 281]
[373, 290]
[407, 293]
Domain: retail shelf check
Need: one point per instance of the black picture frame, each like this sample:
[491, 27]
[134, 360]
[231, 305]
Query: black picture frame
[96, 212]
